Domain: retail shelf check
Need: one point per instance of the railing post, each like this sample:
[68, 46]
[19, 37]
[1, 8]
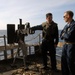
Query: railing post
[39, 43]
[5, 51]
[29, 50]
[39, 39]
[12, 54]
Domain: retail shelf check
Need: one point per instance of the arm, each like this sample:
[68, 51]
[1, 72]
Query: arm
[63, 31]
[61, 35]
[56, 35]
[38, 27]
[70, 34]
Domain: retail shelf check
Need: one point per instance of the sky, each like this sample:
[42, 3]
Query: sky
[33, 11]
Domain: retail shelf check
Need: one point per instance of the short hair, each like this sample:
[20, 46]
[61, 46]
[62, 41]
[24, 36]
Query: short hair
[48, 14]
[71, 14]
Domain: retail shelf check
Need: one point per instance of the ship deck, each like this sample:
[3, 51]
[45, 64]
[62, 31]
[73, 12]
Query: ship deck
[34, 63]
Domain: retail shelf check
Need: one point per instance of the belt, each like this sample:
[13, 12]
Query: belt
[69, 42]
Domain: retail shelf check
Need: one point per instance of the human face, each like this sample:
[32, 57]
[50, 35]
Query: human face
[66, 17]
[49, 19]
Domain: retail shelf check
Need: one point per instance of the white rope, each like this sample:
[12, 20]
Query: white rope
[33, 38]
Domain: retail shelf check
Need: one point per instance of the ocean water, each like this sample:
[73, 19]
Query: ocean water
[30, 39]
[2, 33]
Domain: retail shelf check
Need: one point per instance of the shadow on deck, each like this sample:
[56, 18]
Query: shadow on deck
[34, 63]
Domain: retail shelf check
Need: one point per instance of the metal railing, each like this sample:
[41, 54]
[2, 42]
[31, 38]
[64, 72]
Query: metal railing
[5, 45]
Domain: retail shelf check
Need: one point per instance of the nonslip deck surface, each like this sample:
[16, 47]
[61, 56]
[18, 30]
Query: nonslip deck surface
[35, 67]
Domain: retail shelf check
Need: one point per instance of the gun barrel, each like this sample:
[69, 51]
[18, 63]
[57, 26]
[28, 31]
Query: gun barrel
[20, 21]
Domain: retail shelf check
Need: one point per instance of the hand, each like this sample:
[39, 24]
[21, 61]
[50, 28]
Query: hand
[55, 45]
[20, 41]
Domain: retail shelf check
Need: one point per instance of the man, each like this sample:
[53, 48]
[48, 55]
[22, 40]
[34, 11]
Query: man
[68, 51]
[50, 40]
